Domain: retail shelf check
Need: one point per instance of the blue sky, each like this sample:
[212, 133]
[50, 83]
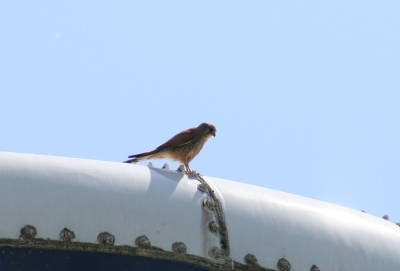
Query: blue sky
[305, 95]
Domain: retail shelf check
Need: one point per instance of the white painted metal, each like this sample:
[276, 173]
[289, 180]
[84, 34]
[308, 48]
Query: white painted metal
[273, 225]
[89, 197]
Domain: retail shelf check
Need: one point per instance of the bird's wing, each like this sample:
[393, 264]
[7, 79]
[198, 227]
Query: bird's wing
[180, 139]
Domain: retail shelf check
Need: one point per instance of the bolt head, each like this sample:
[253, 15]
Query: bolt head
[179, 247]
[66, 235]
[251, 259]
[283, 265]
[143, 242]
[213, 226]
[28, 232]
[209, 204]
[106, 239]
[203, 187]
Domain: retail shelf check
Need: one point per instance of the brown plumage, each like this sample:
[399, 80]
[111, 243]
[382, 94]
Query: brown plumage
[183, 147]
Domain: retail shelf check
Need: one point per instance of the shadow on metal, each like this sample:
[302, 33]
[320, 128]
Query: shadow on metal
[13, 259]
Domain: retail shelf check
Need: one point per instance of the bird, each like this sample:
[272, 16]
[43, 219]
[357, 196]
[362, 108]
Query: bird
[182, 147]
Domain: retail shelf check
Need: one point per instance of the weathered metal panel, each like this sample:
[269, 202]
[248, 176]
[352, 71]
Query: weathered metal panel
[160, 214]
[273, 225]
[90, 197]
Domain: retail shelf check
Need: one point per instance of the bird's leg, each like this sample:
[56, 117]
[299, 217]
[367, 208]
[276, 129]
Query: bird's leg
[190, 173]
[188, 170]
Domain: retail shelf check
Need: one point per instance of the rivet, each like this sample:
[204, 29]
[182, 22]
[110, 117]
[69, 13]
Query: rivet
[28, 232]
[66, 235]
[315, 268]
[179, 247]
[106, 238]
[250, 259]
[143, 242]
[209, 204]
[213, 226]
[215, 253]
[283, 265]
[150, 164]
[165, 166]
[181, 168]
[192, 175]
[203, 187]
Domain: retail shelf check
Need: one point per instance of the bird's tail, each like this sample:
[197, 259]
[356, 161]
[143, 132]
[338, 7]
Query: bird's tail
[140, 157]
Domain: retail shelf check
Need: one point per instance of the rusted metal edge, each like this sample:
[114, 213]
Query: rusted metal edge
[152, 252]
[219, 214]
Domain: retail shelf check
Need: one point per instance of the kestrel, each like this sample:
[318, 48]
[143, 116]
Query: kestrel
[183, 147]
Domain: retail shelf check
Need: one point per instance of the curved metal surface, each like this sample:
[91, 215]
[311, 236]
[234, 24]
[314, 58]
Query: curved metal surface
[91, 197]
[124, 202]
[271, 225]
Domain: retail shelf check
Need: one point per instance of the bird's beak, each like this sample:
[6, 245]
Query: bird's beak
[213, 134]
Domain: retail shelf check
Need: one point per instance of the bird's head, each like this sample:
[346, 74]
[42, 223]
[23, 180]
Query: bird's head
[207, 129]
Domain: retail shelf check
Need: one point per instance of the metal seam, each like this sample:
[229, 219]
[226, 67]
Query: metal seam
[220, 216]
